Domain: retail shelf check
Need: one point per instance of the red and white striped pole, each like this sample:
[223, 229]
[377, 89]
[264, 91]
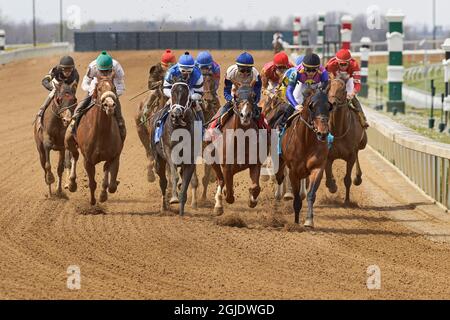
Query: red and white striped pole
[296, 28]
[346, 31]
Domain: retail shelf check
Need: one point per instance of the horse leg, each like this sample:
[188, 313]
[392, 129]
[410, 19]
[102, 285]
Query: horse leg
[357, 180]
[70, 144]
[315, 178]
[348, 178]
[303, 189]
[49, 177]
[188, 170]
[194, 186]
[205, 181]
[218, 206]
[60, 170]
[114, 171]
[255, 189]
[105, 182]
[287, 182]
[228, 175]
[160, 165]
[330, 181]
[90, 170]
[279, 178]
[67, 166]
[174, 177]
[297, 203]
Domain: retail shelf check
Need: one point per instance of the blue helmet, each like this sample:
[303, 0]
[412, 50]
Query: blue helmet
[299, 60]
[204, 59]
[186, 61]
[245, 59]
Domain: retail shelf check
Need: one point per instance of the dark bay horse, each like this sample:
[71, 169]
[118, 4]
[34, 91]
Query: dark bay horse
[305, 151]
[98, 138]
[349, 138]
[181, 116]
[245, 153]
[49, 132]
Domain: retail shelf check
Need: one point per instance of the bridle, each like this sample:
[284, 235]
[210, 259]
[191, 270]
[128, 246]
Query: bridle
[340, 104]
[176, 106]
[57, 105]
[310, 122]
[107, 94]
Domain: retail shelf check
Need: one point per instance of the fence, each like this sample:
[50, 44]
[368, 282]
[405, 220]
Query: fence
[242, 40]
[27, 53]
[424, 161]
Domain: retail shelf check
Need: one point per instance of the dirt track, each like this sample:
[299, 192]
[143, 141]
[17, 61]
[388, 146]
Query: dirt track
[132, 251]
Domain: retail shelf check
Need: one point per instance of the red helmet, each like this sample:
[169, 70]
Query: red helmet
[168, 57]
[281, 58]
[343, 55]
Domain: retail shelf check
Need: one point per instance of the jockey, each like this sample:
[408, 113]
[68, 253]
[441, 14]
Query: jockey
[64, 72]
[278, 42]
[282, 86]
[208, 66]
[243, 73]
[185, 71]
[104, 65]
[157, 71]
[273, 71]
[310, 75]
[344, 67]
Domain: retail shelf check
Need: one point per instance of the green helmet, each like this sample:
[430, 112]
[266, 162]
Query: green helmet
[104, 61]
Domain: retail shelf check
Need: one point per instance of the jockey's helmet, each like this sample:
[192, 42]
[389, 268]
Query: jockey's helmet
[281, 59]
[245, 60]
[186, 62]
[343, 57]
[204, 59]
[311, 62]
[168, 58]
[66, 62]
[104, 61]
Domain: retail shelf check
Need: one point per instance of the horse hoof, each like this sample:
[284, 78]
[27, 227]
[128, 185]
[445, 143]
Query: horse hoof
[93, 202]
[357, 181]
[103, 196]
[309, 223]
[112, 189]
[150, 175]
[278, 196]
[230, 199]
[332, 187]
[174, 200]
[49, 178]
[194, 205]
[265, 178]
[252, 203]
[73, 187]
[218, 210]
[288, 196]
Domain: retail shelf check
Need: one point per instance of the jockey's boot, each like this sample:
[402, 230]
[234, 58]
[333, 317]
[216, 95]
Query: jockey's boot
[120, 120]
[78, 112]
[44, 106]
[199, 111]
[288, 112]
[361, 116]
[222, 111]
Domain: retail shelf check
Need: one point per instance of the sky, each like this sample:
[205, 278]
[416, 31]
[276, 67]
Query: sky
[229, 11]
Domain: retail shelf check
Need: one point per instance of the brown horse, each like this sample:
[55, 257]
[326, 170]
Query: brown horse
[49, 131]
[99, 140]
[305, 150]
[154, 102]
[239, 122]
[349, 138]
[210, 105]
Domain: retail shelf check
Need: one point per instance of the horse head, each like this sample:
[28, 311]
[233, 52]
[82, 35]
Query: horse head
[319, 108]
[180, 104]
[337, 92]
[65, 101]
[243, 106]
[106, 90]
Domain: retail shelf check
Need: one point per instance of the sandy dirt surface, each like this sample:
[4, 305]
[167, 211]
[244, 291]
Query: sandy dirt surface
[126, 248]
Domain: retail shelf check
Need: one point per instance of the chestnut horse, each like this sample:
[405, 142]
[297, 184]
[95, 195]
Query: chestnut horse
[242, 121]
[98, 138]
[181, 116]
[305, 151]
[49, 131]
[154, 102]
[349, 138]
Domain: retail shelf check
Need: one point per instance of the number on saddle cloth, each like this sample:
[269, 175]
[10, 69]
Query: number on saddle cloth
[159, 128]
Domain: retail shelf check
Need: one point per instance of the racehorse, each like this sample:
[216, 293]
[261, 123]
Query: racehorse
[154, 102]
[181, 116]
[98, 138]
[210, 105]
[49, 131]
[349, 138]
[305, 150]
[241, 118]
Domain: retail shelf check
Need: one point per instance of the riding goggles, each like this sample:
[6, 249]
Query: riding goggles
[311, 70]
[245, 69]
